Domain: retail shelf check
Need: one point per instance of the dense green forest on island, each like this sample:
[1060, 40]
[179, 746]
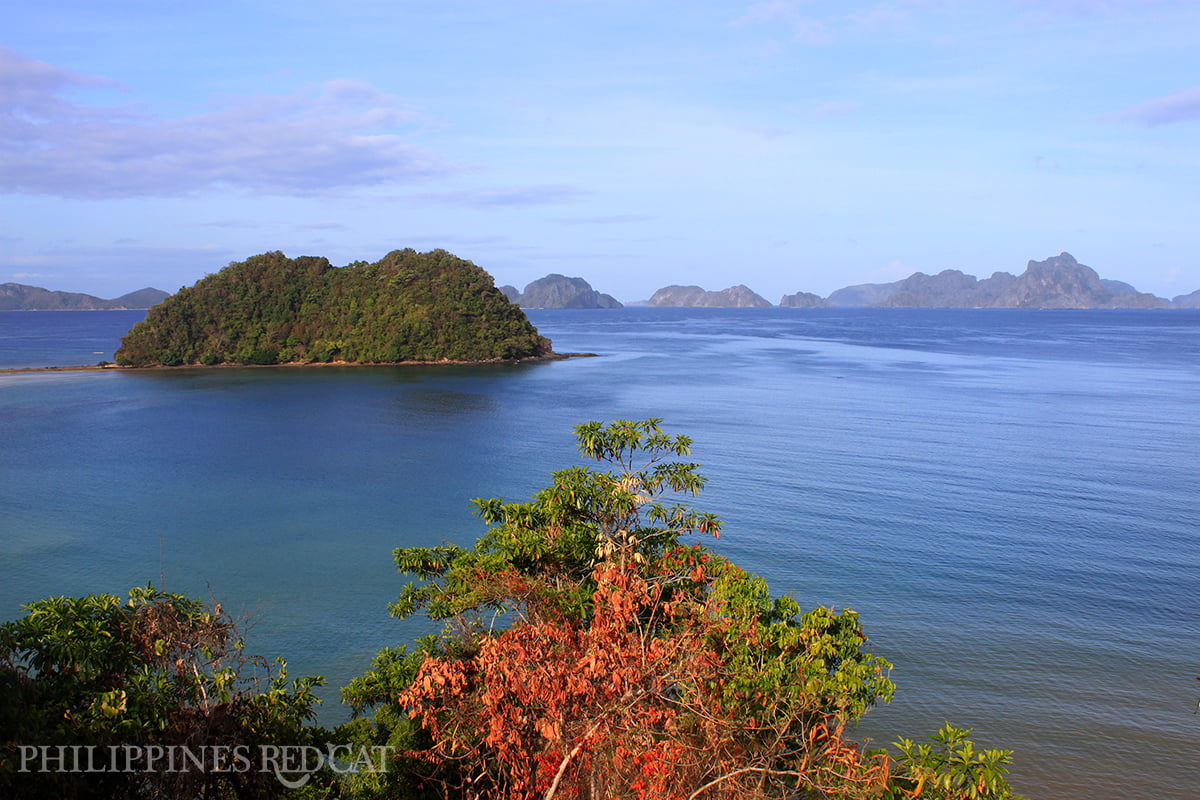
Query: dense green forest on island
[271, 309]
[593, 647]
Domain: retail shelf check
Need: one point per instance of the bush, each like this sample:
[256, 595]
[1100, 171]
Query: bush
[158, 670]
[636, 665]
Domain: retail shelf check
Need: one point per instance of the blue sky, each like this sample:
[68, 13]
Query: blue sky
[789, 145]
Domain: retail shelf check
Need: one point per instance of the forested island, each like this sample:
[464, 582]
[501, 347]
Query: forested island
[271, 309]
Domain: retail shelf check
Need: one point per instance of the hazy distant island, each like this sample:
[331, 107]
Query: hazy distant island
[559, 291]
[19, 297]
[1058, 282]
[803, 300]
[1187, 300]
[271, 309]
[695, 297]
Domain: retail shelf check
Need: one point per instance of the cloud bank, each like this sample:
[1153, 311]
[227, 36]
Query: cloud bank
[1179, 107]
[342, 135]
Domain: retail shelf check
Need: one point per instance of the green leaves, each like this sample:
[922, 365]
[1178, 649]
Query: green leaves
[159, 668]
[629, 661]
[621, 437]
[789, 665]
[952, 769]
[627, 650]
[69, 636]
[539, 555]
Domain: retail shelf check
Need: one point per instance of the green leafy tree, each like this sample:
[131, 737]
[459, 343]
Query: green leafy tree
[553, 542]
[951, 769]
[158, 669]
[590, 651]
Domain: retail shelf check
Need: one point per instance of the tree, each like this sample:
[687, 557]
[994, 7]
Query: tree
[632, 664]
[950, 768]
[83, 675]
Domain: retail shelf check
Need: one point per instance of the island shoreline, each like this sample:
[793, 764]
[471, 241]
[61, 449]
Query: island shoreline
[295, 364]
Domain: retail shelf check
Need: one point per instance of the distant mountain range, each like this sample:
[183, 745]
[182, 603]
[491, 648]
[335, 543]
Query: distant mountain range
[1057, 282]
[19, 297]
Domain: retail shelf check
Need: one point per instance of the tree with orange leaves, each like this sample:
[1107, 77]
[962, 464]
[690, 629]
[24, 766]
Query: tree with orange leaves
[633, 665]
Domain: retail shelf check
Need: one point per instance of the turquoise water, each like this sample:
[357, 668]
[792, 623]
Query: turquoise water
[1008, 498]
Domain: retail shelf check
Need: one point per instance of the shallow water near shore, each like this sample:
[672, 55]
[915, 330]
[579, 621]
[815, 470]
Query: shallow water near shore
[1008, 498]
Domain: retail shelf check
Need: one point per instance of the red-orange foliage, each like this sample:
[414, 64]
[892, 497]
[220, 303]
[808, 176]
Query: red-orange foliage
[636, 668]
[631, 703]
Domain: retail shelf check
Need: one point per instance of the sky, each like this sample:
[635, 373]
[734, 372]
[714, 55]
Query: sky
[788, 145]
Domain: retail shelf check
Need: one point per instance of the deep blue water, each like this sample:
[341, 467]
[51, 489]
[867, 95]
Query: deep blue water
[1009, 498]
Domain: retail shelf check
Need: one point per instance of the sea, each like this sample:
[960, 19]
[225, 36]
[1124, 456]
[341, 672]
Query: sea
[1010, 499]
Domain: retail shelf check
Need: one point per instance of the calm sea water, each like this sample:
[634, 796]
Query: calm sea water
[1009, 499]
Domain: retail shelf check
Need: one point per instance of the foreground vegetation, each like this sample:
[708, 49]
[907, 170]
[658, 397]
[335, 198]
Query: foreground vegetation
[95, 679]
[271, 309]
[589, 650]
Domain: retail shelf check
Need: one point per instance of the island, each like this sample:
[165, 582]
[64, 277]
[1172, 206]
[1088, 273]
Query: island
[1191, 300]
[271, 309]
[20, 297]
[559, 291]
[695, 297]
[1058, 282]
[803, 300]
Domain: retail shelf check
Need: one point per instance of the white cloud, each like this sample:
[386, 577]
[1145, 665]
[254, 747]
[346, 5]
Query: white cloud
[342, 135]
[32, 87]
[1178, 107]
